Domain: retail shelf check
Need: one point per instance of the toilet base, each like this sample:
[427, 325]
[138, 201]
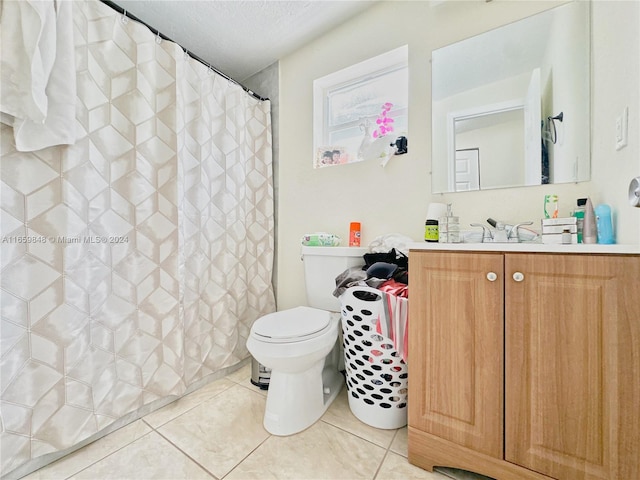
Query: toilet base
[295, 401]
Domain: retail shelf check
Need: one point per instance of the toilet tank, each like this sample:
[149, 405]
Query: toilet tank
[321, 267]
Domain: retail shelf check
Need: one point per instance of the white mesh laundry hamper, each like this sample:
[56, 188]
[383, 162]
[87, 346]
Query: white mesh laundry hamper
[376, 374]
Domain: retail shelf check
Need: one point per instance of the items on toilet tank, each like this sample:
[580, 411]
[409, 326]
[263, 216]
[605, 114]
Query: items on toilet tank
[320, 239]
[354, 234]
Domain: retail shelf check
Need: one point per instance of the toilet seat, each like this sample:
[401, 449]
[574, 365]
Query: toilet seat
[293, 325]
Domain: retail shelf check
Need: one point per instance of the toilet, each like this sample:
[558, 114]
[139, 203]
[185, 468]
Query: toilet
[300, 345]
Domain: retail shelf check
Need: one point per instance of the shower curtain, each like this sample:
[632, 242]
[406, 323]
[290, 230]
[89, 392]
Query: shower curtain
[134, 261]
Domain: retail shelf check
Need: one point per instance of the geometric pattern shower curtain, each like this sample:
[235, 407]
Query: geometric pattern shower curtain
[133, 262]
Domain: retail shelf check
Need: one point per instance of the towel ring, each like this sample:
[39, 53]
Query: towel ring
[552, 126]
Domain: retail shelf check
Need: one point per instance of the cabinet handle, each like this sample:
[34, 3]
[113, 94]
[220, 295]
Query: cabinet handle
[518, 276]
[492, 276]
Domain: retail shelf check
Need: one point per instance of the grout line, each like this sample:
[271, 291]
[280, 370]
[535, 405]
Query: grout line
[386, 454]
[354, 434]
[247, 456]
[187, 455]
[106, 456]
[190, 408]
[236, 384]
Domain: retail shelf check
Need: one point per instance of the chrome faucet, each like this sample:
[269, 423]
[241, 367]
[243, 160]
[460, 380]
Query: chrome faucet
[487, 236]
[501, 233]
[513, 235]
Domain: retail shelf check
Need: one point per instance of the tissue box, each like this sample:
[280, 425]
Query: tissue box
[553, 228]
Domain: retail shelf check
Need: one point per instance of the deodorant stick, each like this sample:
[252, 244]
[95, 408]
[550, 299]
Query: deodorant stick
[354, 234]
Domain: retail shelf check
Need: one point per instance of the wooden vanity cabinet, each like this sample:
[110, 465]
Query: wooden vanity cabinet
[525, 365]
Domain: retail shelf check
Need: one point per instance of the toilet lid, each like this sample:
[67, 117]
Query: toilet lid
[295, 324]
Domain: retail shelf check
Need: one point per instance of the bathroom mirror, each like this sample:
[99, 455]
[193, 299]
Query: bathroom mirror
[493, 97]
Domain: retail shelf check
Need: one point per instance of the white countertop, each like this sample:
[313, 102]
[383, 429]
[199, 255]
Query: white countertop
[528, 247]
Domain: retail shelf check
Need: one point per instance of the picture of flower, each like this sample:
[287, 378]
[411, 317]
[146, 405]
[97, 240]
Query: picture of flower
[383, 121]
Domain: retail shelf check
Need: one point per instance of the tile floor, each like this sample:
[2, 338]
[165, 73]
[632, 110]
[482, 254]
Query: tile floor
[216, 432]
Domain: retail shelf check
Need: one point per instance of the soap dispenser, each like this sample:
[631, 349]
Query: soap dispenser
[449, 227]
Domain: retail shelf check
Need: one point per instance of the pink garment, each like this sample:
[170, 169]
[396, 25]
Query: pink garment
[395, 288]
[393, 321]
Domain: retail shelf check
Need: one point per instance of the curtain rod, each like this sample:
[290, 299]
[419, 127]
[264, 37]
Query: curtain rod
[123, 11]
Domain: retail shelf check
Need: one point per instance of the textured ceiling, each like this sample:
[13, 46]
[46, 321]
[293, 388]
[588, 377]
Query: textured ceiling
[239, 37]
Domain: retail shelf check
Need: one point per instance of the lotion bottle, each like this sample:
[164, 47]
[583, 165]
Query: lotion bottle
[589, 227]
[604, 224]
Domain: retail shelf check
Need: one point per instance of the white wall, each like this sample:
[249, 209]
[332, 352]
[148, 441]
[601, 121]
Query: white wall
[395, 198]
[616, 83]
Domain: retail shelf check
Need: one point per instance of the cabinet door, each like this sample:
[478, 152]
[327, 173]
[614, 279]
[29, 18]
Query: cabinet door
[572, 400]
[456, 348]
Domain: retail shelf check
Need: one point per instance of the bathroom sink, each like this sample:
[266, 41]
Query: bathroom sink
[471, 236]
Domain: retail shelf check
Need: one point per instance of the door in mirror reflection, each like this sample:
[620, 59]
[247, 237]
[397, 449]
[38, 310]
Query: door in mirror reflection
[467, 169]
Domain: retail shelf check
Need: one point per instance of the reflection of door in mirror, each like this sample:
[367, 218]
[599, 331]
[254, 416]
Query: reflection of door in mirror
[509, 134]
[467, 170]
[497, 130]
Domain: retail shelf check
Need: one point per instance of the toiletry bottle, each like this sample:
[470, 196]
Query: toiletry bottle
[454, 228]
[566, 236]
[579, 214]
[589, 228]
[449, 227]
[354, 234]
[443, 230]
[604, 224]
[434, 212]
[431, 231]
